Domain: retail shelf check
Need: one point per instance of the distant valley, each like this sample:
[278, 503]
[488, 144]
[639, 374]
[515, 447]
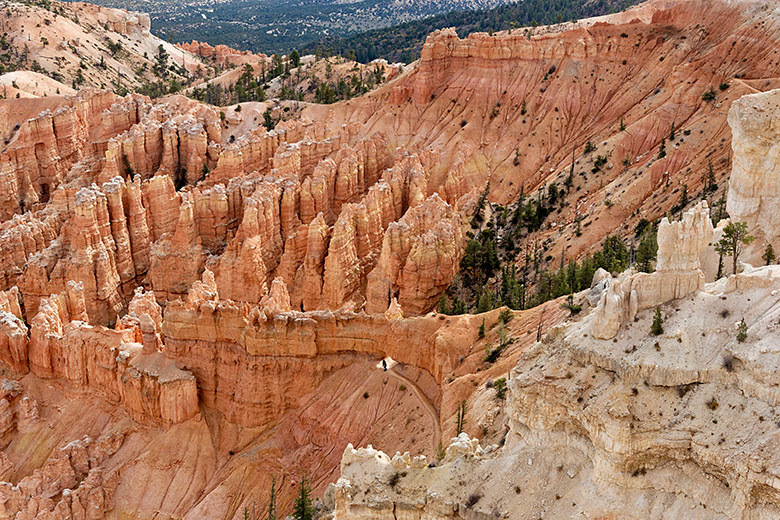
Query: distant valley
[280, 25]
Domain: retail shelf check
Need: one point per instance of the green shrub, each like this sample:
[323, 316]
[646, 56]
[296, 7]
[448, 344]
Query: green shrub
[742, 331]
[657, 328]
[500, 386]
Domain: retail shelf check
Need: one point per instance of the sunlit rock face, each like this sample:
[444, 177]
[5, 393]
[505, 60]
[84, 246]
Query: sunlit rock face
[754, 185]
[678, 273]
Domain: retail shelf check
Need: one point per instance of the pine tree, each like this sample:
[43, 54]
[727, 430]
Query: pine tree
[662, 149]
[268, 120]
[710, 184]
[443, 304]
[720, 213]
[161, 62]
[295, 59]
[742, 331]
[769, 254]
[735, 237]
[461, 417]
[683, 200]
[272, 502]
[303, 509]
[458, 306]
[486, 301]
[646, 252]
[658, 323]
[482, 329]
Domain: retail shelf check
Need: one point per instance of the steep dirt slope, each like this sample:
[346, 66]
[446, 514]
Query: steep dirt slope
[514, 109]
[83, 45]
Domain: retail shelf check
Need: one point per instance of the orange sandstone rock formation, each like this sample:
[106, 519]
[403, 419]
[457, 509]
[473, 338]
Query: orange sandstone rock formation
[64, 347]
[526, 104]
[222, 55]
[237, 287]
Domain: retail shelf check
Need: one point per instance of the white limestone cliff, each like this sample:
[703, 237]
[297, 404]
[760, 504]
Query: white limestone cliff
[678, 273]
[754, 185]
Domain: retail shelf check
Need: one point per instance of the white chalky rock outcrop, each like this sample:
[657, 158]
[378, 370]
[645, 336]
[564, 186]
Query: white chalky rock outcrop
[677, 426]
[678, 273]
[754, 185]
[397, 484]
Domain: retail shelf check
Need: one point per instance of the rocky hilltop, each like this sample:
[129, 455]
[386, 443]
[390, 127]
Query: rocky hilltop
[191, 302]
[55, 48]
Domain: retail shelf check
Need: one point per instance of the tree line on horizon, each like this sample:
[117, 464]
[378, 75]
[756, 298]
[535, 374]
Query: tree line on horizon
[403, 42]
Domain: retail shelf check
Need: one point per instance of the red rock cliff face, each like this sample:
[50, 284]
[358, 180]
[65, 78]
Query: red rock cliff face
[420, 255]
[250, 360]
[39, 152]
[104, 244]
[525, 103]
[222, 54]
[123, 366]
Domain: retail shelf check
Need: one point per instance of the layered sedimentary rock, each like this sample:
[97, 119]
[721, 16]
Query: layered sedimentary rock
[754, 184]
[255, 251]
[222, 55]
[13, 331]
[322, 231]
[20, 238]
[156, 191]
[678, 273]
[359, 466]
[420, 255]
[171, 138]
[248, 360]
[71, 483]
[127, 216]
[680, 424]
[180, 252]
[64, 347]
[105, 244]
[40, 151]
